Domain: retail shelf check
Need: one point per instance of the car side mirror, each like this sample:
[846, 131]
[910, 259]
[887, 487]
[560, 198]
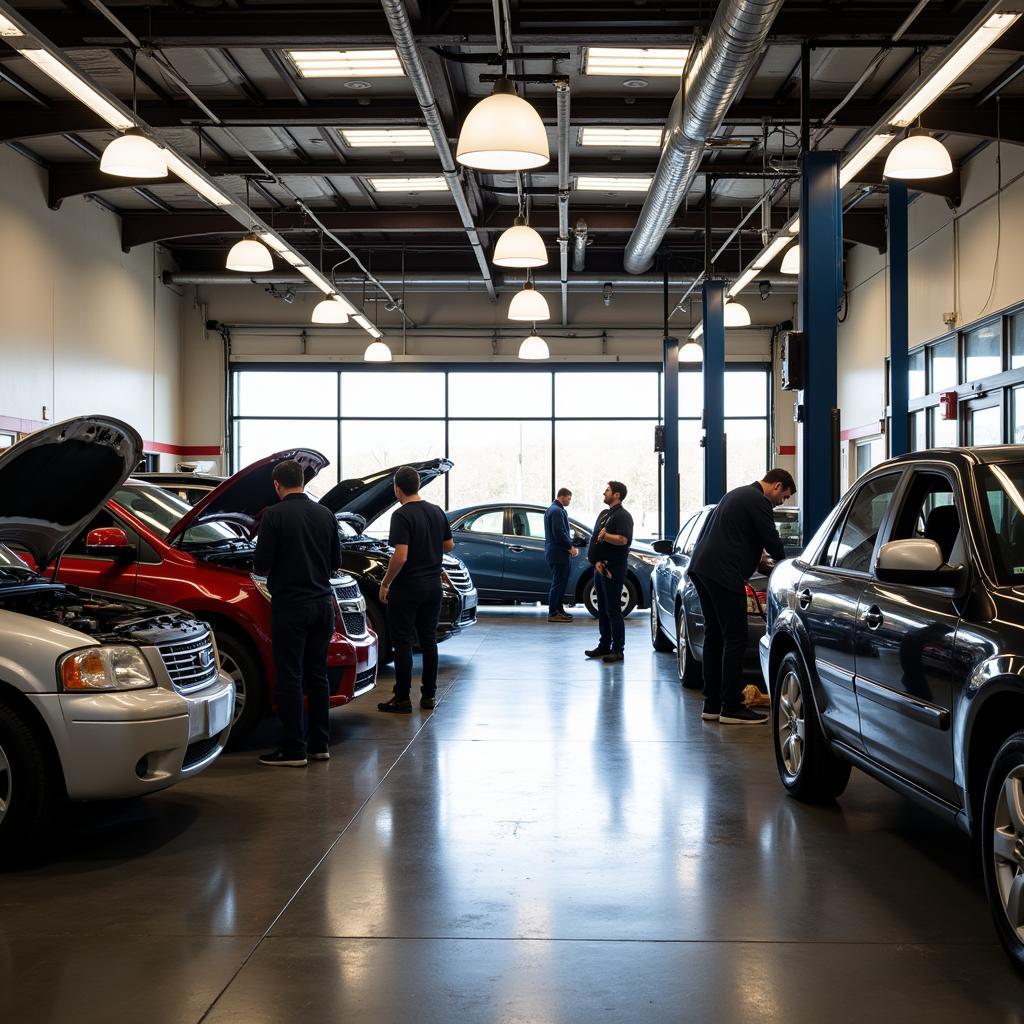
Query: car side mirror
[579, 541]
[108, 542]
[663, 547]
[916, 562]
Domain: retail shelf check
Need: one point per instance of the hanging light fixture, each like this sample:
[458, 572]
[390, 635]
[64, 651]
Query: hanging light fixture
[918, 156]
[534, 347]
[736, 314]
[503, 133]
[132, 155]
[791, 261]
[250, 255]
[520, 246]
[330, 311]
[529, 305]
[691, 352]
[377, 352]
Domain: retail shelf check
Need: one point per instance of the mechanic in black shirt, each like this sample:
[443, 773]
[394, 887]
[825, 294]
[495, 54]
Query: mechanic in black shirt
[298, 550]
[608, 553]
[411, 588]
[728, 551]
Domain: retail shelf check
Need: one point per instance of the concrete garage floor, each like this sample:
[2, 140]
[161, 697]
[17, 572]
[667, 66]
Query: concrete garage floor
[559, 841]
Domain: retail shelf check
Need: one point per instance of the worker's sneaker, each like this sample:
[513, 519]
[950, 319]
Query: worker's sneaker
[319, 755]
[279, 759]
[427, 703]
[396, 706]
[711, 712]
[612, 657]
[598, 652]
[742, 716]
[560, 617]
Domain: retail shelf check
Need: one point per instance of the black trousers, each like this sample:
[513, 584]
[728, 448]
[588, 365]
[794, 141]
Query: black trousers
[559, 581]
[413, 610]
[725, 637]
[610, 622]
[301, 634]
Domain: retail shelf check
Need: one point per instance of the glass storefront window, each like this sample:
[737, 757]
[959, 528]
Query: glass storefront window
[617, 394]
[255, 439]
[480, 395]
[1017, 407]
[944, 433]
[918, 431]
[501, 460]
[746, 454]
[746, 393]
[691, 467]
[285, 393]
[1017, 341]
[942, 373]
[983, 355]
[396, 395]
[917, 374]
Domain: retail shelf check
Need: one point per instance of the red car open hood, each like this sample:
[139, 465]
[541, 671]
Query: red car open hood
[242, 498]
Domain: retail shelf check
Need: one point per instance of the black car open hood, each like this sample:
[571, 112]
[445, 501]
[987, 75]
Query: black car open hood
[242, 498]
[56, 479]
[371, 496]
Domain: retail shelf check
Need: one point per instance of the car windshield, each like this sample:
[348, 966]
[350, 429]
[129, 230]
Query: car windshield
[12, 565]
[1002, 501]
[160, 511]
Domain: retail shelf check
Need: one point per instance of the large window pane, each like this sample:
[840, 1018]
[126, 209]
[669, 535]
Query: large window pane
[286, 393]
[392, 394]
[982, 352]
[612, 394]
[691, 393]
[691, 468]
[917, 374]
[746, 455]
[942, 373]
[944, 432]
[369, 445]
[918, 431]
[746, 393]
[255, 439]
[590, 453]
[499, 394]
[1017, 341]
[499, 461]
[1017, 413]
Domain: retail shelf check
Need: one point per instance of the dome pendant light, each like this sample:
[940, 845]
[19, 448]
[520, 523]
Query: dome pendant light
[917, 157]
[736, 314]
[250, 255]
[377, 352]
[791, 261]
[534, 347]
[691, 352]
[503, 133]
[132, 155]
[529, 305]
[520, 247]
[329, 311]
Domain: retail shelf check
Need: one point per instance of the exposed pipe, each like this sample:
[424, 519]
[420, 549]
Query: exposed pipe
[715, 75]
[405, 44]
[579, 246]
[562, 106]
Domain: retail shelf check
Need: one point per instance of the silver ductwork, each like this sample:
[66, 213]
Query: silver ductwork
[579, 246]
[562, 101]
[715, 75]
[405, 44]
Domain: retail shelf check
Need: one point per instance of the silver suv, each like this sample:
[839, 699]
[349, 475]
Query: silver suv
[101, 696]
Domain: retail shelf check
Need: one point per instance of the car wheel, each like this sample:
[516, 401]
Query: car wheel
[250, 687]
[628, 601]
[691, 675]
[808, 768]
[1002, 840]
[29, 787]
[659, 641]
[379, 621]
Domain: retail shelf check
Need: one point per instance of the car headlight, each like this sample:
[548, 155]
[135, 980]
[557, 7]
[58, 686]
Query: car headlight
[105, 668]
[649, 559]
[261, 584]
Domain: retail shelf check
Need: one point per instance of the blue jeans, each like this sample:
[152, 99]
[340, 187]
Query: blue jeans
[559, 581]
[609, 610]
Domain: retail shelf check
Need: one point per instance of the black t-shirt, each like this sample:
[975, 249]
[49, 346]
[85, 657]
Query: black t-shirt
[424, 527]
[613, 520]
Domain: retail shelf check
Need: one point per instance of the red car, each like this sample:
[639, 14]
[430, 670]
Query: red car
[149, 543]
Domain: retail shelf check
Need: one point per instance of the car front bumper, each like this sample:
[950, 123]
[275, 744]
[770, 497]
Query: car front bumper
[351, 667]
[764, 653]
[458, 610]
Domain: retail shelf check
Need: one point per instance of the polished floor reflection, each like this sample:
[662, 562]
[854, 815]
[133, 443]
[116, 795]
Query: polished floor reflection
[560, 841]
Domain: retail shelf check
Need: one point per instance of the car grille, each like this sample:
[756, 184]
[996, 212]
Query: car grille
[199, 751]
[459, 575]
[347, 591]
[364, 680]
[469, 615]
[191, 664]
[354, 623]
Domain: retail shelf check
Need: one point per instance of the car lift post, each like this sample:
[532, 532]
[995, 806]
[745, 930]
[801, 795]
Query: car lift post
[714, 391]
[899, 357]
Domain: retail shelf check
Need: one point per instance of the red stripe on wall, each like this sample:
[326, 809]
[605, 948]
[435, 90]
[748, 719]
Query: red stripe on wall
[787, 449]
[855, 433]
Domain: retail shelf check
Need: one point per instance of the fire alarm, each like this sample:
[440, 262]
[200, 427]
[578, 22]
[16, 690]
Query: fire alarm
[947, 405]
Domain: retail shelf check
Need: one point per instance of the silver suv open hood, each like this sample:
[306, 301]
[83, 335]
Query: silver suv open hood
[56, 479]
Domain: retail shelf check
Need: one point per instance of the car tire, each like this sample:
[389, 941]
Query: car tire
[630, 597]
[1002, 846]
[807, 767]
[30, 787]
[659, 641]
[238, 661]
[379, 622]
[691, 674]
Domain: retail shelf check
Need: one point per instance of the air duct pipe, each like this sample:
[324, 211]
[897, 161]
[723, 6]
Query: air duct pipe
[562, 101]
[405, 44]
[715, 75]
[579, 246]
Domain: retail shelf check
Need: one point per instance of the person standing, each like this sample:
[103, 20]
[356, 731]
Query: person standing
[559, 552]
[411, 588]
[729, 549]
[608, 553]
[298, 550]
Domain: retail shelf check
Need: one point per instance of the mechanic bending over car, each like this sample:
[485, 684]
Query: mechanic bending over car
[730, 548]
[411, 588]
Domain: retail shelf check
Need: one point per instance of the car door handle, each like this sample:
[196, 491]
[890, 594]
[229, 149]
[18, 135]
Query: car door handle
[805, 599]
[515, 547]
[873, 617]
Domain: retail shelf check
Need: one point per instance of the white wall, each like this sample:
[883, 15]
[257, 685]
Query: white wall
[85, 328]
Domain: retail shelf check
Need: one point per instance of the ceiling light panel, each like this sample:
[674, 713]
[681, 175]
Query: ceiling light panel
[860, 158]
[622, 62]
[428, 184]
[8, 29]
[346, 63]
[386, 138]
[632, 138]
[611, 183]
[191, 176]
[79, 88]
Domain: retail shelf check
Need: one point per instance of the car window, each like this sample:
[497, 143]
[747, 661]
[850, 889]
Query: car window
[683, 535]
[695, 533]
[787, 522]
[491, 520]
[853, 543]
[929, 512]
[1002, 504]
[527, 523]
[160, 511]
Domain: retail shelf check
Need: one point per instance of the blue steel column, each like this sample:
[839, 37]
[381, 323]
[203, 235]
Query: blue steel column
[714, 391]
[899, 285]
[821, 269]
[670, 487]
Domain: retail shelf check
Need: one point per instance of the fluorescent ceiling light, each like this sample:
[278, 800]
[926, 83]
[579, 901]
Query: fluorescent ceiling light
[857, 160]
[79, 88]
[315, 277]
[292, 257]
[623, 61]
[769, 253]
[191, 176]
[633, 138]
[366, 325]
[611, 183]
[275, 243]
[743, 280]
[694, 334]
[425, 184]
[8, 29]
[386, 138]
[984, 36]
[347, 63]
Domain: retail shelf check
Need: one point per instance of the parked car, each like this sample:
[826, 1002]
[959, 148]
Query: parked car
[199, 558]
[100, 697]
[677, 620]
[895, 644]
[502, 545]
[357, 504]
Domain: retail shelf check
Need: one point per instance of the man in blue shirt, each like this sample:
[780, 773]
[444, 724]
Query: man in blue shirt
[559, 552]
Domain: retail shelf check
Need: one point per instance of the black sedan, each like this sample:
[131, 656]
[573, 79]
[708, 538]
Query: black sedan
[676, 617]
[895, 644]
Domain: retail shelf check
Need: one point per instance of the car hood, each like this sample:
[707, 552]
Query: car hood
[371, 496]
[242, 498]
[54, 481]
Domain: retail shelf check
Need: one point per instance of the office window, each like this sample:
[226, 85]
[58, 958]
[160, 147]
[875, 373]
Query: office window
[983, 354]
[917, 379]
[942, 373]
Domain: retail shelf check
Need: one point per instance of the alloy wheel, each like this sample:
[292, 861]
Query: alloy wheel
[792, 725]
[231, 667]
[654, 619]
[681, 645]
[5, 784]
[1008, 848]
